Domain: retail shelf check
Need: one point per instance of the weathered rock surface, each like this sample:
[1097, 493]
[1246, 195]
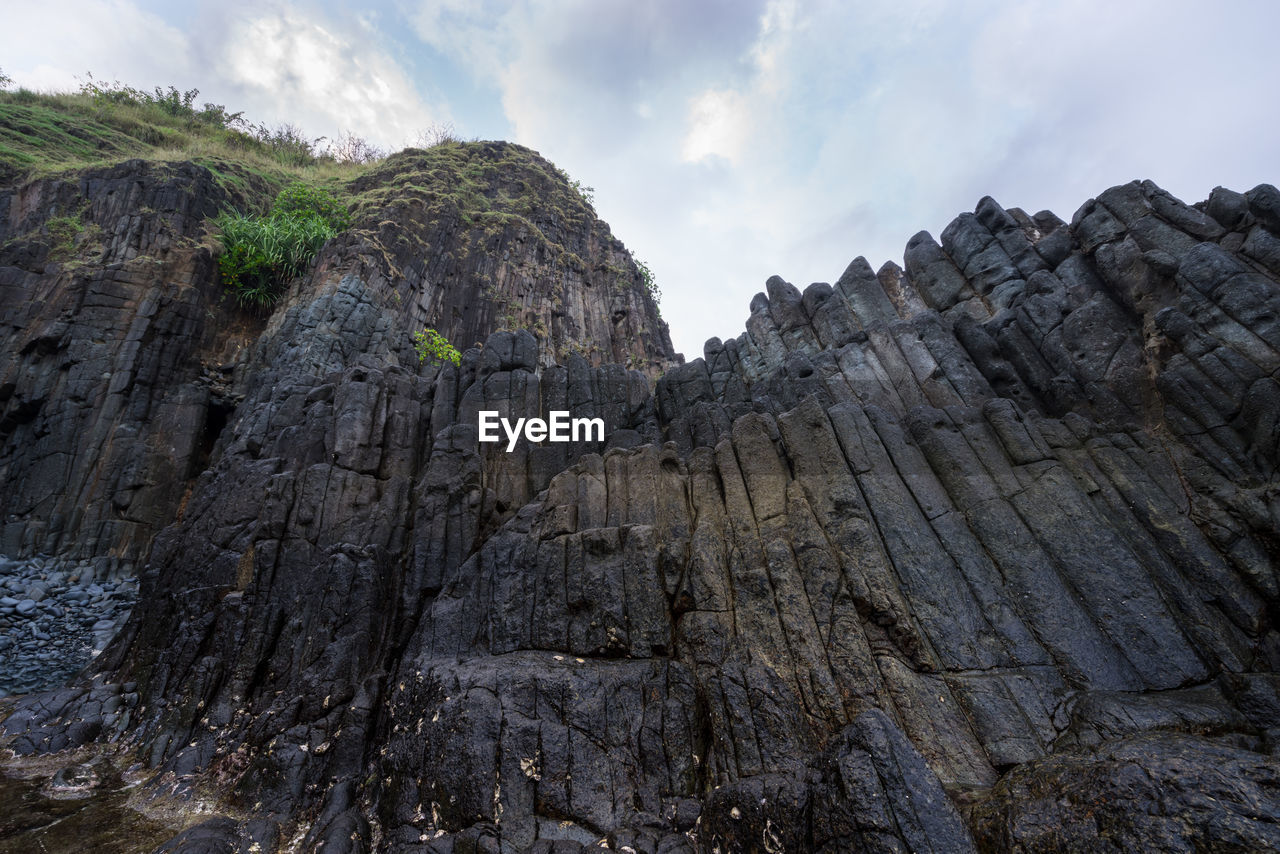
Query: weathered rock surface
[974, 553]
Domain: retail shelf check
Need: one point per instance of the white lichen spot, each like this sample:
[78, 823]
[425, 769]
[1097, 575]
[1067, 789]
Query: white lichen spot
[735, 813]
[530, 769]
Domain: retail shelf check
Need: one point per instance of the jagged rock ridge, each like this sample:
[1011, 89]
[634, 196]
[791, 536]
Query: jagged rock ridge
[975, 553]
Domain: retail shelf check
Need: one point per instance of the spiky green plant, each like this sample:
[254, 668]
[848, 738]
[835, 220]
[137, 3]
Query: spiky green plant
[262, 254]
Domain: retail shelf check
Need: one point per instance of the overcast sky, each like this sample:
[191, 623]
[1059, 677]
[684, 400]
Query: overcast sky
[729, 141]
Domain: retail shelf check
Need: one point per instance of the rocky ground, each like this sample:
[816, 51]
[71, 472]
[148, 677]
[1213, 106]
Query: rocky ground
[54, 619]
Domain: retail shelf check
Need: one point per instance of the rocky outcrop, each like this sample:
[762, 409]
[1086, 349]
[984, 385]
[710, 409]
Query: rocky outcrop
[126, 360]
[978, 552]
[117, 348]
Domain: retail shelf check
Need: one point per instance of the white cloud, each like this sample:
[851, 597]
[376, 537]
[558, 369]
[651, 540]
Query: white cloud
[296, 68]
[473, 33]
[51, 46]
[729, 140]
[719, 123]
[277, 64]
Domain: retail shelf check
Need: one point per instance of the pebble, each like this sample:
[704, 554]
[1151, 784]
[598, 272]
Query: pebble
[51, 625]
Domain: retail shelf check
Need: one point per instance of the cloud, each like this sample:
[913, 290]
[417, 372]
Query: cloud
[278, 63]
[719, 123]
[292, 66]
[51, 46]
[731, 140]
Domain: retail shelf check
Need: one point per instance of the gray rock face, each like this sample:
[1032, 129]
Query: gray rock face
[979, 552]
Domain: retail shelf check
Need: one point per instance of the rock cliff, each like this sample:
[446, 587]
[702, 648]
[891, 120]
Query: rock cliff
[974, 553]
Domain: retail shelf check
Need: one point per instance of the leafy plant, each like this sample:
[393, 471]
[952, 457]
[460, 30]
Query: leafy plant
[262, 254]
[430, 344]
[299, 199]
[588, 193]
[646, 275]
[5, 79]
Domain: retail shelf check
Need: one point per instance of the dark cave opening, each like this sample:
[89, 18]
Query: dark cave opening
[216, 417]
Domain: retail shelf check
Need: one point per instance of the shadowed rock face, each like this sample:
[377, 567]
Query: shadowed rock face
[979, 552]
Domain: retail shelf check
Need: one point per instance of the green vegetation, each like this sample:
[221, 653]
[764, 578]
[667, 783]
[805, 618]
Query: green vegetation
[408, 204]
[298, 200]
[261, 254]
[498, 191]
[429, 344]
[63, 232]
[103, 123]
[588, 193]
[646, 276]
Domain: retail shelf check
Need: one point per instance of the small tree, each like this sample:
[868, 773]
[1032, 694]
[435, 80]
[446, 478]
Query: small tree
[5, 79]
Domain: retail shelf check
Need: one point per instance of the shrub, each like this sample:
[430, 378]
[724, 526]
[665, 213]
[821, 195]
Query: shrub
[262, 254]
[286, 143]
[349, 148]
[5, 79]
[646, 275]
[588, 194]
[299, 199]
[169, 100]
[429, 344]
[437, 133]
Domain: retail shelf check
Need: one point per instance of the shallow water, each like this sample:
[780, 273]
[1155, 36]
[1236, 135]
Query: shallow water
[97, 820]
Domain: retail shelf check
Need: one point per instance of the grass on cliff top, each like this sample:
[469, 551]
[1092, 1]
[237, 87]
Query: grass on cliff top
[44, 134]
[488, 186]
[476, 178]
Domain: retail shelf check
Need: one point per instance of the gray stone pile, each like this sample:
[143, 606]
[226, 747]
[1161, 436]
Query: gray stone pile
[54, 619]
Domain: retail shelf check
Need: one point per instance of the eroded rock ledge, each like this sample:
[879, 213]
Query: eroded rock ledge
[979, 552]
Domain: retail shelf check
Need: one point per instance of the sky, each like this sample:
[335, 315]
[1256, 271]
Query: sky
[730, 141]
